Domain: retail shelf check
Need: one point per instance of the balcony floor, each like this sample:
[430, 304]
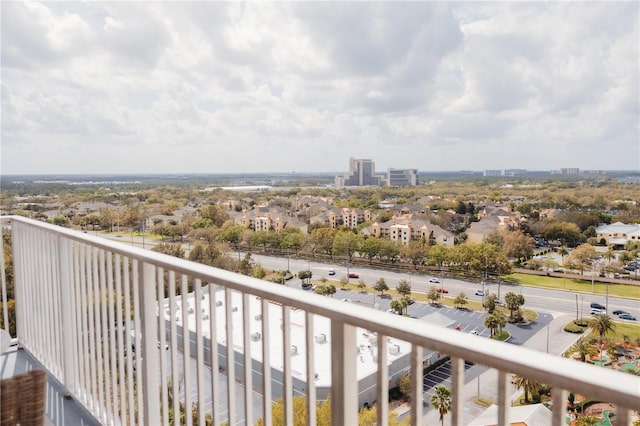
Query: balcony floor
[59, 410]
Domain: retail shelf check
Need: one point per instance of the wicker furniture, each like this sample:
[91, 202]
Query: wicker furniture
[22, 399]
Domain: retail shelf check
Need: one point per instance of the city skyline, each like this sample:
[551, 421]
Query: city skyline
[213, 87]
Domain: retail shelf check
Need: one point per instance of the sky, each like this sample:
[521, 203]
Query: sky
[244, 87]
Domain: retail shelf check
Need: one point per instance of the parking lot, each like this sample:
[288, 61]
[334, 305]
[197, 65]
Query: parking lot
[440, 376]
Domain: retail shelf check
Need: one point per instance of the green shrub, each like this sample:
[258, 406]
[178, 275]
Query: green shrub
[574, 327]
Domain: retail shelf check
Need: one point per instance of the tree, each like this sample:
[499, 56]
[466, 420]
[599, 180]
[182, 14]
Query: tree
[565, 232]
[602, 324]
[381, 286]
[513, 301]
[582, 256]
[370, 248]
[562, 251]
[490, 302]
[583, 348]
[397, 305]
[305, 275]
[587, 421]
[528, 386]
[433, 294]
[441, 401]
[517, 245]
[404, 288]
[460, 300]
[326, 290]
[495, 321]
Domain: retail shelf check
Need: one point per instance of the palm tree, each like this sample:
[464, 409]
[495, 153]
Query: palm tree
[441, 400]
[491, 322]
[602, 324]
[562, 251]
[528, 386]
[583, 348]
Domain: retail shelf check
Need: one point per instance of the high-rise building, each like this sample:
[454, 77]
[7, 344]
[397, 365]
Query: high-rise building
[402, 177]
[362, 172]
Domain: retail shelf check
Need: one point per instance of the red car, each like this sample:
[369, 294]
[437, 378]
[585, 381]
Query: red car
[353, 275]
[443, 290]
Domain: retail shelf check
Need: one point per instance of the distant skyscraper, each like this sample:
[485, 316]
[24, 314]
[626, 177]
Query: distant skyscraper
[362, 172]
[402, 177]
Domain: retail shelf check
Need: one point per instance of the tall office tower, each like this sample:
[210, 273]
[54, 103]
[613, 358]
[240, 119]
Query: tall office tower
[361, 173]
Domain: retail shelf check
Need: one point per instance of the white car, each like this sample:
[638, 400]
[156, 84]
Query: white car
[474, 332]
[434, 280]
[479, 293]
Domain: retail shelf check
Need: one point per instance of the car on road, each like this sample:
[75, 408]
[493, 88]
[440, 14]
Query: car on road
[479, 293]
[353, 275]
[332, 271]
[618, 312]
[434, 280]
[443, 290]
[627, 316]
[595, 305]
[596, 311]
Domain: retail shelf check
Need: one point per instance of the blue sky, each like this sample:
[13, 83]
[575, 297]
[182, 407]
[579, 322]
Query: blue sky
[217, 87]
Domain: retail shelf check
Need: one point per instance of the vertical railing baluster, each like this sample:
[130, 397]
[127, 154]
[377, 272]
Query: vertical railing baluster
[266, 365]
[91, 328]
[231, 370]
[85, 315]
[343, 374]
[383, 381]
[162, 332]
[130, 353]
[559, 412]
[200, 367]
[287, 392]
[186, 346]
[311, 369]
[121, 341]
[175, 376]
[114, 326]
[503, 398]
[416, 384]
[248, 370]
[149, 331]
[214, 360]
[106, 336]
[68, 328]
[457, 388]
[140, 354]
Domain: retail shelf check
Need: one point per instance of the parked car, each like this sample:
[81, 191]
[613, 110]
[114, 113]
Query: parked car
[353, 275]
[595, 305]
[474, 332]
[618, 312]
[479, 293]
[443, 290]
[411, 301]
[332, 271]
[434, 280]
[627, 316]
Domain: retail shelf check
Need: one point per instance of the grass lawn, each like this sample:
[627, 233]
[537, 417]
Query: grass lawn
[571, 284]
[622, 329]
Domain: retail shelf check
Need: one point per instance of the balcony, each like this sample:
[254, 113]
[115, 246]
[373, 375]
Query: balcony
[106, 322]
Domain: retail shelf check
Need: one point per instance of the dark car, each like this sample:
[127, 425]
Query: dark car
[595, 305]
[619, 312]
[627, 316]
[353, 275]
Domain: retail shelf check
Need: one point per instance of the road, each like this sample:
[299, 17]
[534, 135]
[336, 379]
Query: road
[539, 299]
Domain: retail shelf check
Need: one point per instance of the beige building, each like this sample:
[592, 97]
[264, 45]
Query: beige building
[405, 228]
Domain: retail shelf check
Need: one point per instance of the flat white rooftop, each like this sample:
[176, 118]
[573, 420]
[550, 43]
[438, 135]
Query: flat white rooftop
[366, 341]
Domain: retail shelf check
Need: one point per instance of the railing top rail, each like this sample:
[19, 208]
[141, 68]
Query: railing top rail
[552, 370]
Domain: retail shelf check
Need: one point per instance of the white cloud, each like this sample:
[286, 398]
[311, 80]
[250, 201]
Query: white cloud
[122, 87]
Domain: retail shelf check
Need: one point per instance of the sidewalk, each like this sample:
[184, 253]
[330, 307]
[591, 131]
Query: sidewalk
[487, 383]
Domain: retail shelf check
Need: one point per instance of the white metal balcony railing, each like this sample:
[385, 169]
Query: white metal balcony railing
[99, 314]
